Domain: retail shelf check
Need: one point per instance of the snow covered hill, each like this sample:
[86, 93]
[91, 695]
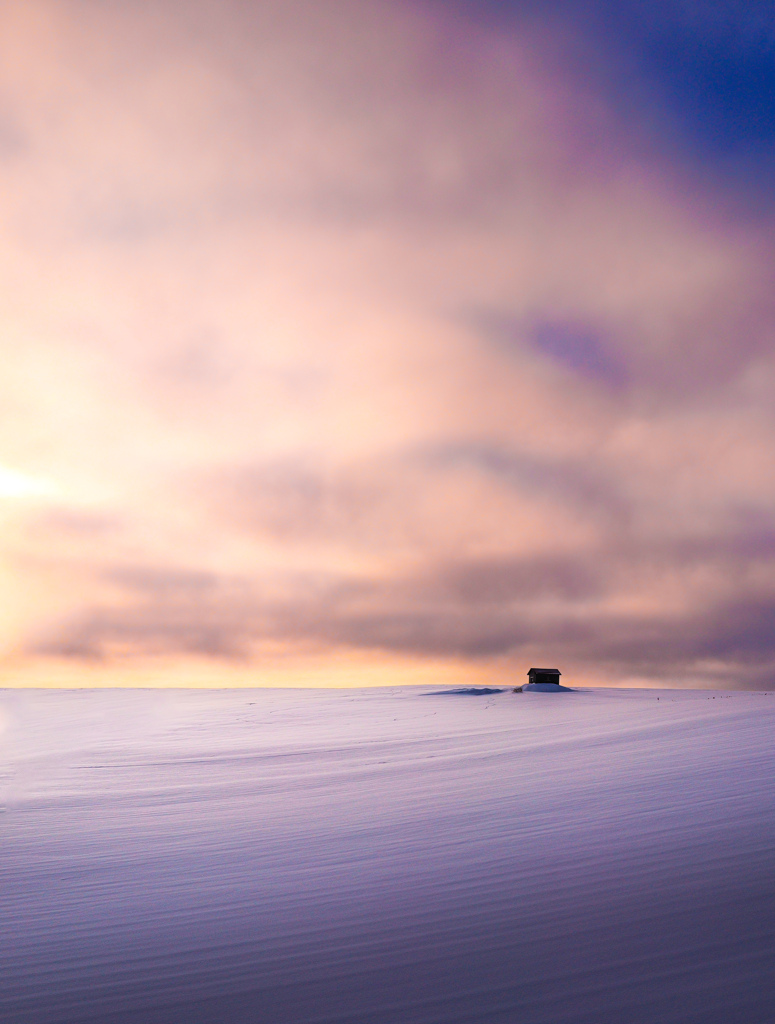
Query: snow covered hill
[387, 857]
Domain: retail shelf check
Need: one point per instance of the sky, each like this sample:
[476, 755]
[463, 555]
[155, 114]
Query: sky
[352, 342]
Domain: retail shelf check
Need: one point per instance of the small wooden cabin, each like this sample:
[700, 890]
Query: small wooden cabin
[544, 675]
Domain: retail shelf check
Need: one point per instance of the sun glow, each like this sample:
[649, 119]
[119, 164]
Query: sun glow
[14, 484]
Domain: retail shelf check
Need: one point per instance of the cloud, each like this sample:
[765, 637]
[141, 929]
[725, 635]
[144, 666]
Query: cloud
[369, 330]
[582, 608]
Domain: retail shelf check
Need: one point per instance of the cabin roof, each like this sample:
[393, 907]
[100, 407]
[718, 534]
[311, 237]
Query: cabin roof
[550, 671]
